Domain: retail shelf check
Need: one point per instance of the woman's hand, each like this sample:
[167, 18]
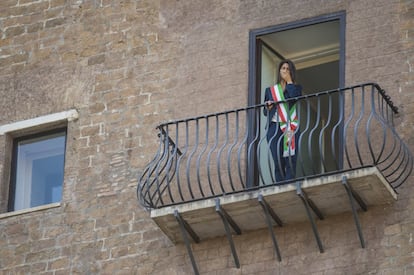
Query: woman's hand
[269, 104]
[286, 77]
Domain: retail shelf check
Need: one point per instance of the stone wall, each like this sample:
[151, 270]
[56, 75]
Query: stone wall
[127, 66]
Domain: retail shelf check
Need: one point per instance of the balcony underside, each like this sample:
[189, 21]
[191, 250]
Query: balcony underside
[327, 193]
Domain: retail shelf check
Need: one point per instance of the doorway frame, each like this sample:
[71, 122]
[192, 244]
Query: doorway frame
[253, 97]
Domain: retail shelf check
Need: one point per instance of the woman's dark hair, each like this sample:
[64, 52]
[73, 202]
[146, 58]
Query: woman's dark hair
[292, 70]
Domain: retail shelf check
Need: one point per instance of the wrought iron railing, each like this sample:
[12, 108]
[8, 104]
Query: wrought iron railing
[228, 152]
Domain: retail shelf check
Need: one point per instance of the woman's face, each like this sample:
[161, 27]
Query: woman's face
[284, 70]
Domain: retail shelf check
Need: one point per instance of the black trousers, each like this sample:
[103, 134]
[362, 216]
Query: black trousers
[285, 167]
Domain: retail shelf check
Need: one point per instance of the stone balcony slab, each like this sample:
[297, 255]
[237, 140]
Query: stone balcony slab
[327, 193]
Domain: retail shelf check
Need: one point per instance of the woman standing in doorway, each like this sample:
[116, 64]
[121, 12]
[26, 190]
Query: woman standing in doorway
[283, 125]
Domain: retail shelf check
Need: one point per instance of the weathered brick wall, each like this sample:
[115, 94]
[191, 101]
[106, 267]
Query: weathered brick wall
[128, 65]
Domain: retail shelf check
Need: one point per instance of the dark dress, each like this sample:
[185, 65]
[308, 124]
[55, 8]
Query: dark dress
[285, 167]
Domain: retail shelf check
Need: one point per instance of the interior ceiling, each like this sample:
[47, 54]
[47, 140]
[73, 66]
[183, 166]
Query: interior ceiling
[307, 46]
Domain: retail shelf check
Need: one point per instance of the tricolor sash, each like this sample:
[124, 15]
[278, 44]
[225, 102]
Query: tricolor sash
[288, 120]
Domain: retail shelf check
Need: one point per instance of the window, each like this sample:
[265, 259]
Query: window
[37, 170]
[34, 161]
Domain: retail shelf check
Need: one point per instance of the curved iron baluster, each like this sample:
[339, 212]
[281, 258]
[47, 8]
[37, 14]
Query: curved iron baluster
[367, 132]
[374, 114]
[236, 137]
[209, 157]
[221, 150]
[242, 145]
[305, 131]
[408, 170]
[200, 187]
[250, 148]
[199, 160]
[351, 116]
[141, 194]
[184, 152]
[357, 123]
[322, 132]
[312, 131]
[336, 128]
[172, 162]
[188, 168]
[160, 169]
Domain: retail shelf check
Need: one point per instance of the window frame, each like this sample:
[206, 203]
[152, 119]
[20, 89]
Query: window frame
[14, 165]
[253, 96]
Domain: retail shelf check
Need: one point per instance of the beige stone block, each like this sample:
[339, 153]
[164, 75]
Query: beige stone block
[14, 31]
[92, 130]
[38, 267]
[96, 60]
[59, 263]
[392, 229]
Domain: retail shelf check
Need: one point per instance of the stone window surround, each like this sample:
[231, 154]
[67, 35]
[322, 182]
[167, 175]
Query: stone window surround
[37, 124]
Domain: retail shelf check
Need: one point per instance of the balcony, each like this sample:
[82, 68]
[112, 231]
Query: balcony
[213, 175]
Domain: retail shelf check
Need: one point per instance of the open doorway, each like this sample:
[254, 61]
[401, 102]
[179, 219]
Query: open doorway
[316, 46]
